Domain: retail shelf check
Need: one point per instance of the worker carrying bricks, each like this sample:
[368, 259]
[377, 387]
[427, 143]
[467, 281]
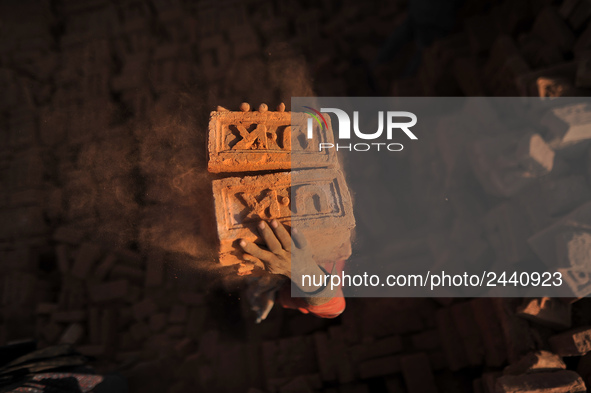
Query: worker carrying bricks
[275, 284]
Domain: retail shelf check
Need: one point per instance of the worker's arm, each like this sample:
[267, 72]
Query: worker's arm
[277, 260]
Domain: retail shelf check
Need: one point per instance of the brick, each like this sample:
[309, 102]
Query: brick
[507, 230]
[73, 334]
[326, 363]
[51, 332]
[565, 245]
[576, 342]
[546, 311]
[94, 351]
[192, 298]
[108, 291]
[417, 373]
[490, 330]
[426, 341]
[87, 255]
[562, 195]
[178, 314]
[158, 322]
[580, 15]
[465, 322]
[94, 326]
[46, 308]
[154, 272]
[69, 316]
[241, 202]
[132, 274]
[583, 78]
[104, 268]
[556, 382]
[451, 340]
[69, 235]
[379, 348]
[535, 362]
[196, 322]
[553, 29]
[568, 126]
[516, 332]
[139, 331]
[63, 258]
[380, 367]
[256, 141]
[144, 309]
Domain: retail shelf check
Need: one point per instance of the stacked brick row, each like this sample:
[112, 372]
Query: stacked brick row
[520, 198]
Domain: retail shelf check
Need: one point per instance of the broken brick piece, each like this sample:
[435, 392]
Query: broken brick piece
[546, 311]
[538, 361]
[564, 381]
[322, 211]
[576, 342]
[257, 141]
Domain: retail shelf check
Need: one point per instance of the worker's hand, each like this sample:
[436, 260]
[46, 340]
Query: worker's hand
[281, 245]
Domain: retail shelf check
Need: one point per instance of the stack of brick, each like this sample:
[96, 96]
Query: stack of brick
[117, 305]
[248, 142]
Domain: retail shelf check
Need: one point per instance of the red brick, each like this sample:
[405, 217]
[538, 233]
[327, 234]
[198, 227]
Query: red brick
[576, 342]
[490, 329]
[451, 341]
[154, 271]
[108, 291]
[379, 348]
[426, 341]
[535, 362]
[196, 322]
[46, 308]
[178, 314]
[241, 202]
[239, 141]
[68, 235]
[63, 258]
[144, 309]
[87, 255]
[51, 332]
[91, 350]
[132, 274]
[380, 367]
[158, 322]
[417, 373]
[556, 382]
[69, 316]
[463, 318]
[326, 363]
[553, 29]
[546, 311]
[94, 326]
[103, 268]
[516, 331]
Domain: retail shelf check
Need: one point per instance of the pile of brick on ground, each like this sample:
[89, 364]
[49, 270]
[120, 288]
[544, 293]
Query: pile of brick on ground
[84, 77]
